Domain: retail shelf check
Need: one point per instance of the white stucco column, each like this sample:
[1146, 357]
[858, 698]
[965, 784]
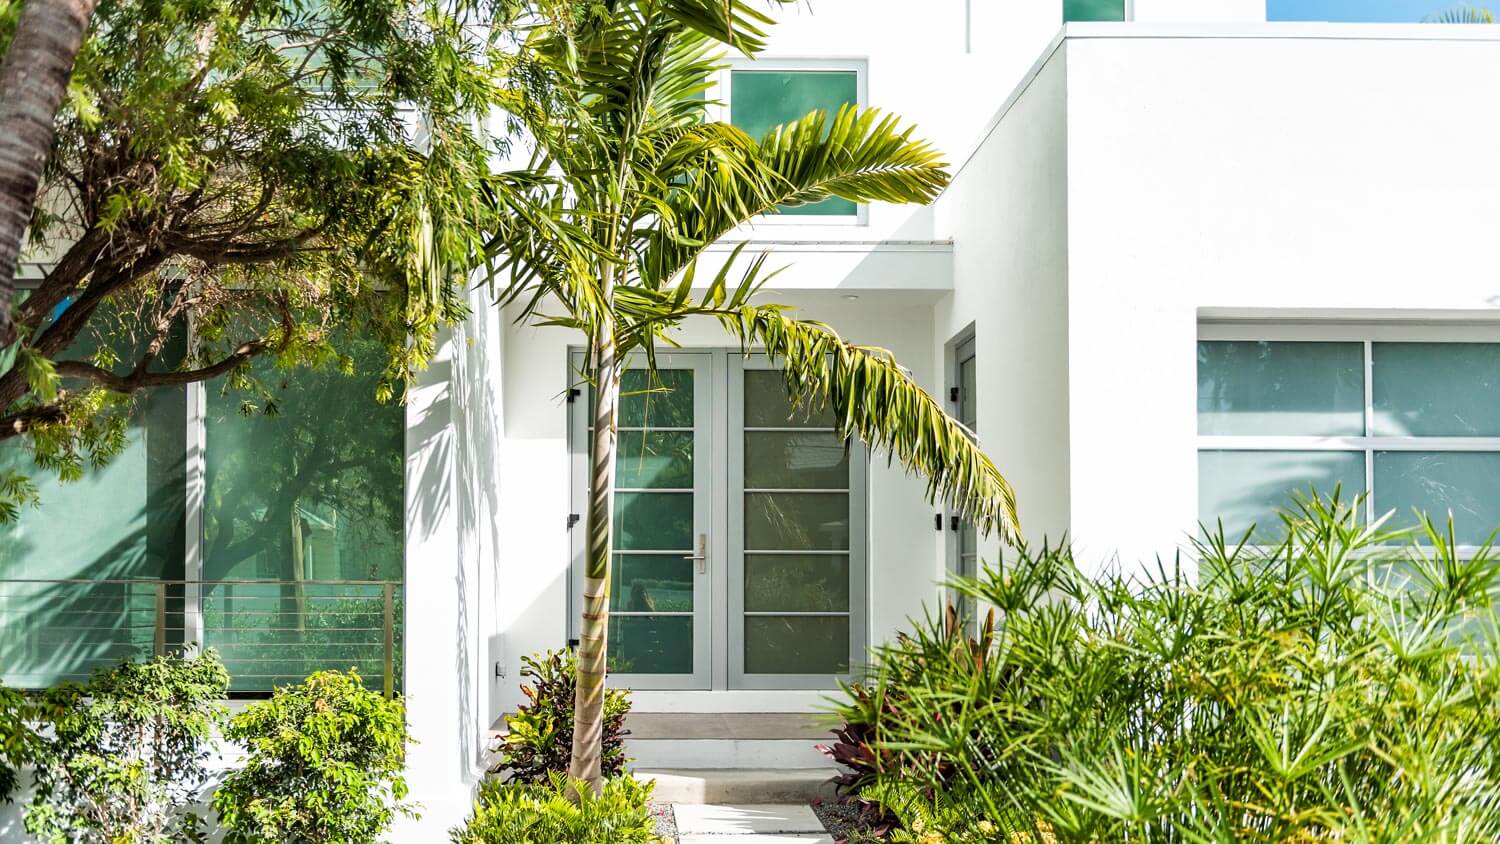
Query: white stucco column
[446, 688]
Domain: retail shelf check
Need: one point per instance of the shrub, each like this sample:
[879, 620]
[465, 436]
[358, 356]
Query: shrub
[323, 764]
[19, 744]
[124, 755]
[546, 813]
[540, 738]
[1337, 686]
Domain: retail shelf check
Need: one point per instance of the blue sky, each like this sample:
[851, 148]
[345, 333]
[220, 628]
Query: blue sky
[1364, 11]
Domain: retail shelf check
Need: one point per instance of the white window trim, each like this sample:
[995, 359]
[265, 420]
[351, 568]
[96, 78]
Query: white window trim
[1368, 333]
[719, 109]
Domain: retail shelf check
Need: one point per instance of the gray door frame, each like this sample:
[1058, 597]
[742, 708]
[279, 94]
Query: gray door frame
[858, 533]
[704, 621]
[718, 466]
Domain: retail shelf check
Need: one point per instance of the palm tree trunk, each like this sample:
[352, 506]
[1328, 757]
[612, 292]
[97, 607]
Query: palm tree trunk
[33, 81]
[588, 705]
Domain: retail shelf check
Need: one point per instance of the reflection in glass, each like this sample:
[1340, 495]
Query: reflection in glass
[120, 521]
[312, 492]
[1280, 388]
[1247, 487]
[795, 460]
[651, 583]
[797, 644]
[1467, 484]
[795, 521]
[767, 405]
[662, 402]
[1436, 389]
[796, 583]
[650, 644]
[653, 521]
[654, 460]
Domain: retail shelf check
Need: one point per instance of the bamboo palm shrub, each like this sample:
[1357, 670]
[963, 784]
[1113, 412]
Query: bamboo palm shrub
[1335, 687]
[631, 180]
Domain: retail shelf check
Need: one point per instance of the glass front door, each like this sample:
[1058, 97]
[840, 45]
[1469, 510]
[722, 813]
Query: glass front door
[660, 627]
[739, 525]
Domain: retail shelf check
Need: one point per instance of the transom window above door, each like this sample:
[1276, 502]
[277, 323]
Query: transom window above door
[739, 530]
[1412, 418]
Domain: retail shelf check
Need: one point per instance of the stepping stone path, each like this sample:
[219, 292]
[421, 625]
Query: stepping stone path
[774, 823]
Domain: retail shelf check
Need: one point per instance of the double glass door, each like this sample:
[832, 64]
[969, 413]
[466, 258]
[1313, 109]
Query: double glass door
[738, 551]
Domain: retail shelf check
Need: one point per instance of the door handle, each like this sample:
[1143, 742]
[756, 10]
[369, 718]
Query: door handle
[702, 556]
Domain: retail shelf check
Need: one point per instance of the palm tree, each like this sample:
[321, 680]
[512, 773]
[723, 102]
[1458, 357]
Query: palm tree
[629, 183]
[33, 81]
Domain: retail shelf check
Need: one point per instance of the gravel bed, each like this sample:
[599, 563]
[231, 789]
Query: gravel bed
[840, 818]
[666, 822]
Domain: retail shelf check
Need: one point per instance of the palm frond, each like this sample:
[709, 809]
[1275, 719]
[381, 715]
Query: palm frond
[861, 156]
[876, 400]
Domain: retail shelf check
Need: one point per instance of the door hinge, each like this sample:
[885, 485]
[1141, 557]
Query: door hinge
[953, 394]
[937, 521]
[953, 523]
[573, 394]
[573, 520]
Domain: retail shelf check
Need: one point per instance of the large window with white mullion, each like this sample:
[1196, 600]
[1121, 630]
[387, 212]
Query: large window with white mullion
[1408, 414]
[267, 524]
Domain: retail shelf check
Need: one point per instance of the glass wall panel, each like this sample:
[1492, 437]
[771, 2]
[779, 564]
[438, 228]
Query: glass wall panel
[120, 521]
[313, 492]
[1093, 10]
[1247, 487]
[1436, 389]
[1467, 484]
[763, 99]
[1280, 388]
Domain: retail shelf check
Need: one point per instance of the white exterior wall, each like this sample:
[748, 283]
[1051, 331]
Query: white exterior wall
[535, 487]
[1006, 213]
[454, 430]
[1279, 171]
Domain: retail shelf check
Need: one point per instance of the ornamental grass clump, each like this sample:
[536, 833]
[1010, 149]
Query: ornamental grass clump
[1342, 685]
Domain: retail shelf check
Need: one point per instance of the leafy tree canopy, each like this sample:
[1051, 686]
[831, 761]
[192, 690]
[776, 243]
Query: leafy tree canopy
[265, 171]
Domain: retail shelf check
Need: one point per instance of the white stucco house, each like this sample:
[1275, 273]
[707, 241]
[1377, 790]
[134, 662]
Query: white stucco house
[1190, 260]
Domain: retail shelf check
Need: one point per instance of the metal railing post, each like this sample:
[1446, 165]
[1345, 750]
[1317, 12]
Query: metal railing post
[390, 641]
[159, 641]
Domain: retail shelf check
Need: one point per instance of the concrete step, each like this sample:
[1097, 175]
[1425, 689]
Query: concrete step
[742, 740]
[743, 786]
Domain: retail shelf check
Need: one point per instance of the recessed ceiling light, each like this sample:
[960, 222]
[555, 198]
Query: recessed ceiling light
[850, 297]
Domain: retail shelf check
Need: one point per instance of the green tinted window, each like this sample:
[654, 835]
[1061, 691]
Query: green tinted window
[121, 521]
[760, 100]
[1093, 10]
[311, 493]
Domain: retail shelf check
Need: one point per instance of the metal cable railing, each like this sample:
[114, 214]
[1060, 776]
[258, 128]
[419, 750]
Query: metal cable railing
[268, 632]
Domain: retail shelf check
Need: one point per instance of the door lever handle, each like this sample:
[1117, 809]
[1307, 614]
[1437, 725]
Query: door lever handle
[702, 556]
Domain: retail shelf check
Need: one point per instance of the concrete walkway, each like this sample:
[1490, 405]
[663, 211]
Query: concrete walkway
[770, 823]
